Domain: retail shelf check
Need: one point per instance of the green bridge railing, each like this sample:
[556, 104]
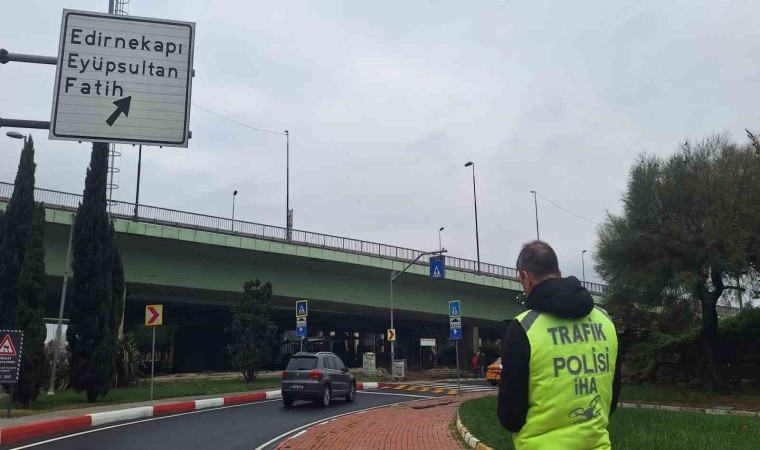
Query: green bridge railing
[152, 214]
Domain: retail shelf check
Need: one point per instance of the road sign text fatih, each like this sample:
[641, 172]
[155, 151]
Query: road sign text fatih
[123, 79]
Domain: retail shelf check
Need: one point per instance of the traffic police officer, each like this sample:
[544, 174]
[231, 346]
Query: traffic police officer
[560, 379]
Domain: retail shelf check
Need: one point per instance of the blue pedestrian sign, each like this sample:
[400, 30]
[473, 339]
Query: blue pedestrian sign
[302, 308]
[437, 267]
[455, 310]
[301, 327]
[455, 328]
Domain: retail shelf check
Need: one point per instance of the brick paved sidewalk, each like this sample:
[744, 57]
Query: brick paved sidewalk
[418, 425]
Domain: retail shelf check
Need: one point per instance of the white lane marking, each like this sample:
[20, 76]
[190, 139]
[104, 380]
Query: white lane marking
[139, 421]
[400, 395]
[447, 385]
[320, 421]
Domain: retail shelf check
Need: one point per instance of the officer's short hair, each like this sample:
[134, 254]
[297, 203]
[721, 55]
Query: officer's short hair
[538, 259]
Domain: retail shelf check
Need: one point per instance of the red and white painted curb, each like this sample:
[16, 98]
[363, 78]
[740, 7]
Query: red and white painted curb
[13, 434]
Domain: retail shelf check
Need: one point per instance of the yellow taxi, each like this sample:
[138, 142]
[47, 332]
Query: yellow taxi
[493, 372]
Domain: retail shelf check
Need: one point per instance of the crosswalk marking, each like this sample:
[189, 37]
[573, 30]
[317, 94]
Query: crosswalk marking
[442, 388]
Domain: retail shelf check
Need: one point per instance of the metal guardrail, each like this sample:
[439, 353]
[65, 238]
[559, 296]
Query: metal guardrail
[151, 214]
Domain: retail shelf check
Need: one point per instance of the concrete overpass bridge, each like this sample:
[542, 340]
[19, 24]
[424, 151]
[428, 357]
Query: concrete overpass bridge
[196, 265]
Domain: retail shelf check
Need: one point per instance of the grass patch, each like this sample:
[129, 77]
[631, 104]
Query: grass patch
[745, 399]
[634, 429]
[69, 399]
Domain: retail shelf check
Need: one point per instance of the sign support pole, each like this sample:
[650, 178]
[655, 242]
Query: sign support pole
[137, 194]
[395, 275]
[10, 401]
[459, 392]
[57, 349]
[393, 343]
[152, 362]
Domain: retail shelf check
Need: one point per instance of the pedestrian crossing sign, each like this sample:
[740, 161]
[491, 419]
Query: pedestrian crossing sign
[455, 309]
[302, 308]
[437, 267]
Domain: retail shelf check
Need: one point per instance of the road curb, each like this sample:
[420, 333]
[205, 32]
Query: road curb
[712, 411]
[469, 438]
[13, 434]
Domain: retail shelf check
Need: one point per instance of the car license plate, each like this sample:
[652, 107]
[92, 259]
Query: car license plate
[296, 386]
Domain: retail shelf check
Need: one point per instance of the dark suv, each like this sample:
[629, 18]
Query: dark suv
[317, 376]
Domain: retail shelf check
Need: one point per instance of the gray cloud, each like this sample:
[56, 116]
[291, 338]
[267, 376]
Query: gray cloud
[385, 103]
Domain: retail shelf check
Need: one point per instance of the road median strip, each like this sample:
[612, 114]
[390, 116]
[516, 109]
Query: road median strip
[16, 433]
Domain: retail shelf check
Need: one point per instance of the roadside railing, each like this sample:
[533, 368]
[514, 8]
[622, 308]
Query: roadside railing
[152, 214]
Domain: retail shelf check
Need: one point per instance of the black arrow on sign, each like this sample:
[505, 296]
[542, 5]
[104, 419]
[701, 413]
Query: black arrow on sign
[122, 106]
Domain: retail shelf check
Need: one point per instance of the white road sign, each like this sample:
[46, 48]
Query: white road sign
[123, 79]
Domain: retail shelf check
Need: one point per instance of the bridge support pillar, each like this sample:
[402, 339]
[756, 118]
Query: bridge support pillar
[468, 346]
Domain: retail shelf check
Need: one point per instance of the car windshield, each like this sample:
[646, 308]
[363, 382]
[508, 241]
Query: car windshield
[303, 363]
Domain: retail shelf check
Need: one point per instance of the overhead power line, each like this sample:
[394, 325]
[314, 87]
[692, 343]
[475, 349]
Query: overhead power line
[236, 122]
[568, 211]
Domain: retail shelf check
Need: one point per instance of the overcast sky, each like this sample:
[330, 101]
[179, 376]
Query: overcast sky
[386, 101]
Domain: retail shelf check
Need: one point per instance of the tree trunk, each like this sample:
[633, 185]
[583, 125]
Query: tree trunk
[709, 335]
[709, 300]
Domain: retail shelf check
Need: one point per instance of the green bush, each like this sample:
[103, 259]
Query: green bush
[129, 363]
[640, 355]
[742, 328]
[62, 371]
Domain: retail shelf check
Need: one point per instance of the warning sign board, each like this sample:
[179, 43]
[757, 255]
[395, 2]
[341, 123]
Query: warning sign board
[123, 79]
[154, 315]
[11, 342]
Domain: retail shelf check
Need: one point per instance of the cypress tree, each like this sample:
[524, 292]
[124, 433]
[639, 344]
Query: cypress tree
[16, 225]
[90, 334]
[30, 313]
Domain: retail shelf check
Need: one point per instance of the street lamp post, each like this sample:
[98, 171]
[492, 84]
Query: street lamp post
[583, 265]
[475, 198]
[394, 276]
[440, 246]
[14, 135]
[234, 194]
[535, 203]
[287, 180]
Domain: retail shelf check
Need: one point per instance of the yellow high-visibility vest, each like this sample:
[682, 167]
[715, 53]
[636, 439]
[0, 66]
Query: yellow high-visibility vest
[572, 364]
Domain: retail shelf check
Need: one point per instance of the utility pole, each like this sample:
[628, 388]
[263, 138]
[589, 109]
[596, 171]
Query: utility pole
[57, 348]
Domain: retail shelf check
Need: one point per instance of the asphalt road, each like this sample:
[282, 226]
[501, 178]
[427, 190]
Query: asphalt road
[242, 427]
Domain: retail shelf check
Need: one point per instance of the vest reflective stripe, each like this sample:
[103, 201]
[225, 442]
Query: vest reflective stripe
[572, 364]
